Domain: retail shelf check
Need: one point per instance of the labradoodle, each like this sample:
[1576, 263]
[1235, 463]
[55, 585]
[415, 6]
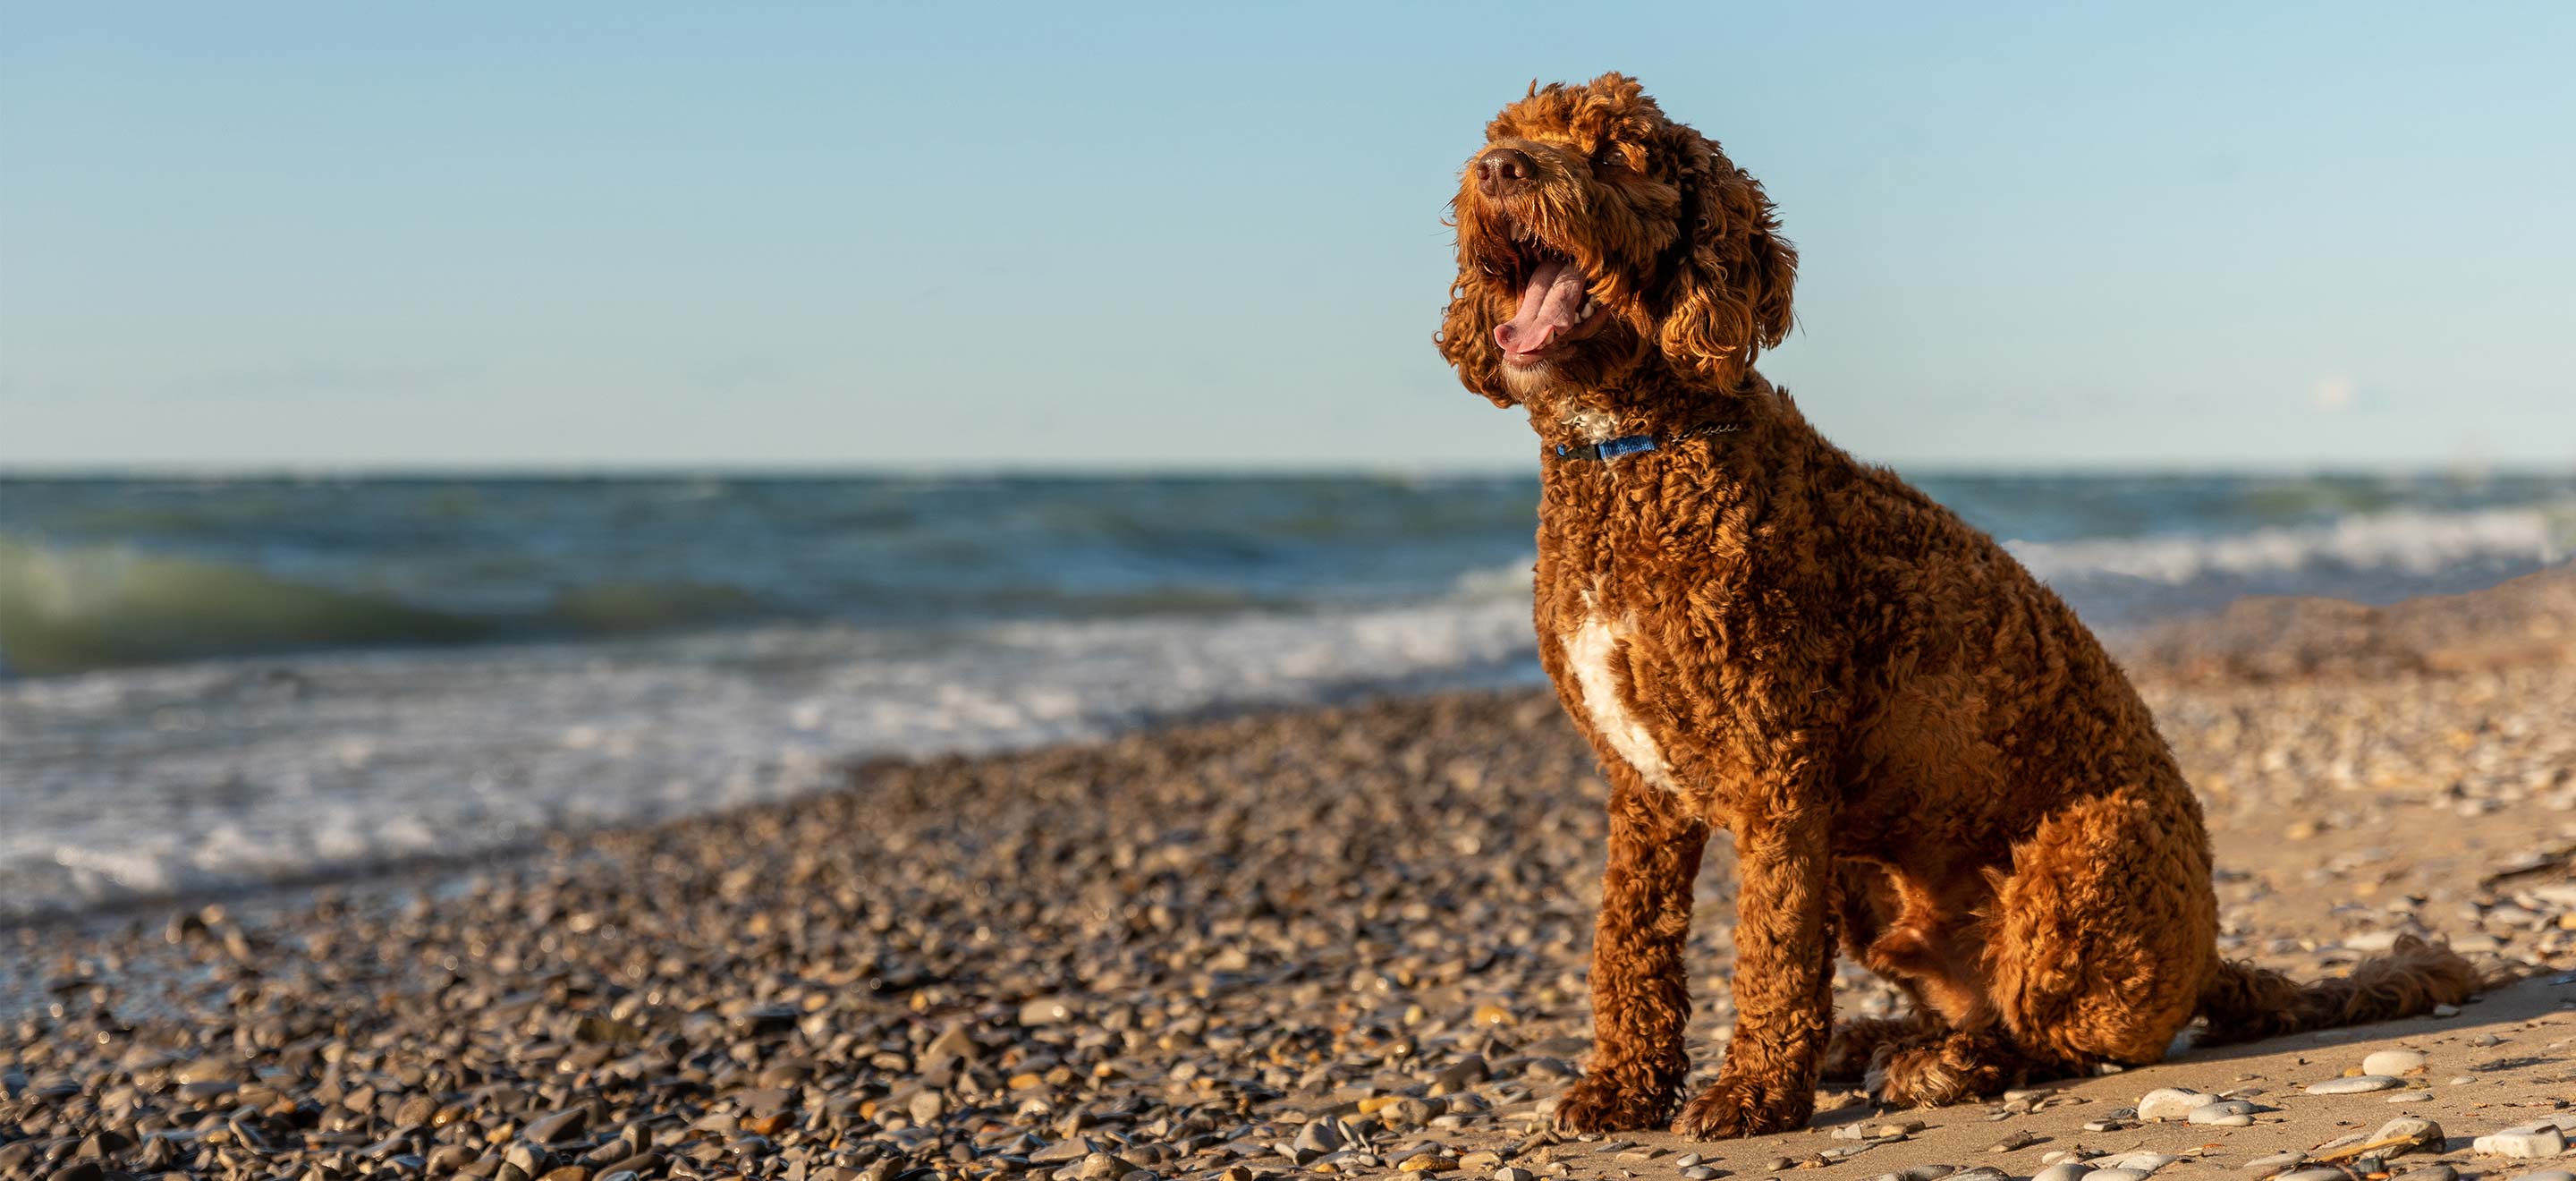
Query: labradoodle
[1916, 746]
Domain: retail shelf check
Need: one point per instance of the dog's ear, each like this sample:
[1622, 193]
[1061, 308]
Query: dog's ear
[1466, 336]
[1728, 297]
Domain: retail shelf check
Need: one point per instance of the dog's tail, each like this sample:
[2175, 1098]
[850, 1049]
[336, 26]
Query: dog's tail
[2244, 1003]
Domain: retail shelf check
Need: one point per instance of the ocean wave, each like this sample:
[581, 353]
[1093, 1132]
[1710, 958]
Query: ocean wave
[2371, 557]
[71, 609]
[63, 610]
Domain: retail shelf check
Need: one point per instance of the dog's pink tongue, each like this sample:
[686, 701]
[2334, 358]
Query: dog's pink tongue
[1549, 306]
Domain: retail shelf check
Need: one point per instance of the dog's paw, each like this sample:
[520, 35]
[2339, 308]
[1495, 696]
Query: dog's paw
[1937, 1072]
[1600, 1103]
[1732, 1107]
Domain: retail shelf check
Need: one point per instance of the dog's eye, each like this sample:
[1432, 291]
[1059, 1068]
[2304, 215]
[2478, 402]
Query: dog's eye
[1608, 159]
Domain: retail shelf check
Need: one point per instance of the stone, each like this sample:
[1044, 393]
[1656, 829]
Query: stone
[2226, 1113]
[2171, 1103]
[2064, 1171]
[2408, 1134]
[2354, 1085]
[1046, 1010]
[2275, 1162]
[2393, 1062]
[559, 1127]
[2527, 1141]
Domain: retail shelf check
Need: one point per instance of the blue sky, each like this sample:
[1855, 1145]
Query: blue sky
[508, 235]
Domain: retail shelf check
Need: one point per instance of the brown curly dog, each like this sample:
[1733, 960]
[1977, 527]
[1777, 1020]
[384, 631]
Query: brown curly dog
[1915, 744]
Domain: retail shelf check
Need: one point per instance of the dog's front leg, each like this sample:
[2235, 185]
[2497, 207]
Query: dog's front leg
[1640, 986]
[1784, 956]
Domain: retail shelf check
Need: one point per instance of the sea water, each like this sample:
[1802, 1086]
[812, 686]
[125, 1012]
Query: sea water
[206, 683]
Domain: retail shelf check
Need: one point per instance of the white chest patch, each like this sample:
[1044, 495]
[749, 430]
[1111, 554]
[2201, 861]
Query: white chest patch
[1589, 650]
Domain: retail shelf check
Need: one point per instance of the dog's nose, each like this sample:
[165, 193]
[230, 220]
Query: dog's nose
[1502, 170]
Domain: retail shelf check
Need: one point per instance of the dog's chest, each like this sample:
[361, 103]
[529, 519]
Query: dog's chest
[1596, 655]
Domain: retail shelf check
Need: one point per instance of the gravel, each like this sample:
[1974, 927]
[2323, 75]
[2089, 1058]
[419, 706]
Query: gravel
[1352, 937]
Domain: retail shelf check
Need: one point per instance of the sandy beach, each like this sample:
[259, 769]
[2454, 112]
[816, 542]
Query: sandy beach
[1328, 941]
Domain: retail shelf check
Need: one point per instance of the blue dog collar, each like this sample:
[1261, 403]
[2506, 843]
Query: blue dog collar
[1625, 445]
[1608, 449]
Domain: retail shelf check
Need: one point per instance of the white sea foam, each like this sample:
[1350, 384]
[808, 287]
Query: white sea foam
[151, 781]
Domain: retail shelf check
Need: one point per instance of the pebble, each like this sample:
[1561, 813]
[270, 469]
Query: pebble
[1046, 1010]
[2314, 1175]
[2116, 1174]
[2063, 1171]
[2226, 1113]
[2430, 1173]
[1698, 1173]
[2393, 1062]
[2548, 1175]
[2528, 1141]
[2354, 1085]
[2407, 1096]
[2170, 1103]
[2275, 1162]
[2143, 1162]
[1514, 1173]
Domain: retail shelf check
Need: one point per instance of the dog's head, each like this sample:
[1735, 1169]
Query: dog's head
[1596, 235]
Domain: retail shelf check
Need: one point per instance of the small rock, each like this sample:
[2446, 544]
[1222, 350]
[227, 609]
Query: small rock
[2409, 1134]
[2116, 1175]
[2314, 1175]
[2354, 1085]
[1318, 1136]
[2171, 1103]
[2393, 1062]
[1065, 1151]
[2275, 1162]
[2430, 1173]
[559, 1127]
[1514, 1173]
[2543, 1175]
[2527, 1141]
[1100, 1166]
[1046, 1010]
[2064, 1171]
[2225, 1113]
[2014, 1142]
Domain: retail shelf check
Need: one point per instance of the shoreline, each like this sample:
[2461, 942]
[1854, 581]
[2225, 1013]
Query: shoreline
[1254, 945]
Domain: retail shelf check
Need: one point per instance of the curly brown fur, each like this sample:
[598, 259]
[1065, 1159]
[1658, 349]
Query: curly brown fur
[1909, 737]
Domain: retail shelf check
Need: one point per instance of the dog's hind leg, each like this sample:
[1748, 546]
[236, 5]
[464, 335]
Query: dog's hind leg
[2103, 935]
[1640, 986]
